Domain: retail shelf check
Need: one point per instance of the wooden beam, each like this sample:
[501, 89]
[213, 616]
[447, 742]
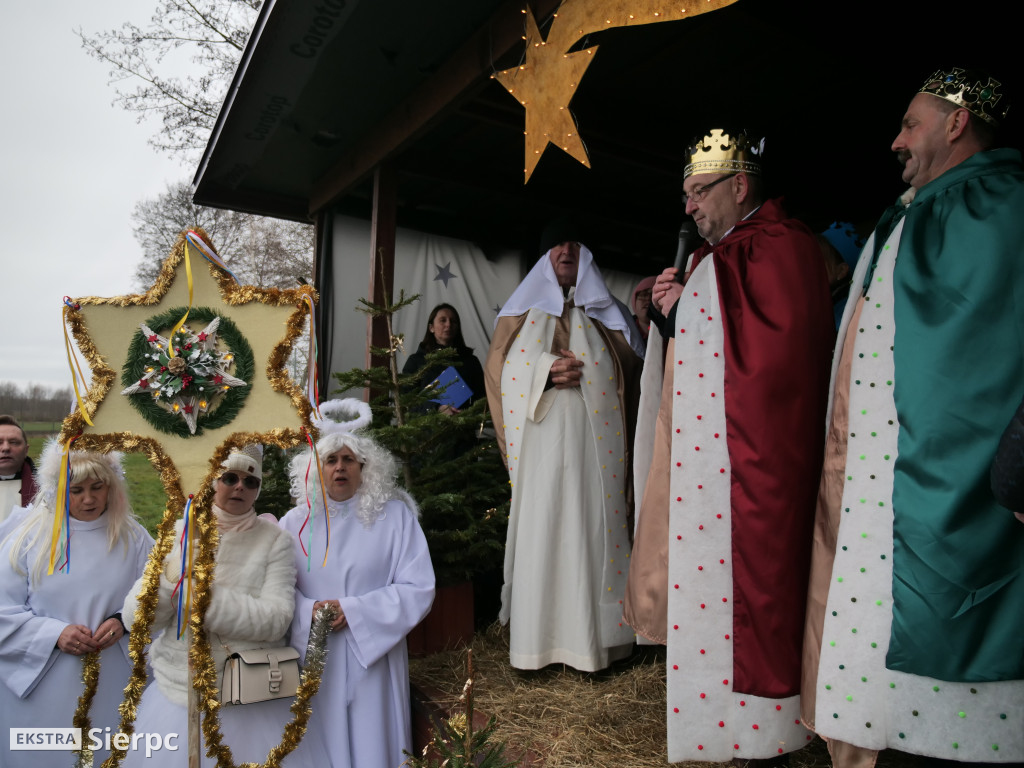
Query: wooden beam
[324, 310]
[382, 257]
[470, 65]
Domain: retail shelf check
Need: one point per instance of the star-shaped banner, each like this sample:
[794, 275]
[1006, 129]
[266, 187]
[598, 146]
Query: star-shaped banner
[274, 410]
[548, 78]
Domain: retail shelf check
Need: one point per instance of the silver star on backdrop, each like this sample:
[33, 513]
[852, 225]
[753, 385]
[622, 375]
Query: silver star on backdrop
[444, 274]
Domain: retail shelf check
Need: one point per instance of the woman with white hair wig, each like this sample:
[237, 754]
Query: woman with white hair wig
[369, 559]
[49, 621]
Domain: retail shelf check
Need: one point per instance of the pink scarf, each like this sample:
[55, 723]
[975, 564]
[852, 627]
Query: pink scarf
[227, 522]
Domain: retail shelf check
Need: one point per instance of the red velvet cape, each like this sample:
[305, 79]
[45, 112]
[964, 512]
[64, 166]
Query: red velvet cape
[779, 333]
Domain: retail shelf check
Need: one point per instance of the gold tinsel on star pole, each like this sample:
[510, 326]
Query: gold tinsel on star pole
[548, 78]
[276, 412]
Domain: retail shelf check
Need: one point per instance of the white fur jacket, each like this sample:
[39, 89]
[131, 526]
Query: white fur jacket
[251, 605]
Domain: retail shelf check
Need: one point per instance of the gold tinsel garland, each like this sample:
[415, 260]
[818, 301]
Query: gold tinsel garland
[74, 425]
[205, 673]
[140, 635]
[90, 678]
[205, 683]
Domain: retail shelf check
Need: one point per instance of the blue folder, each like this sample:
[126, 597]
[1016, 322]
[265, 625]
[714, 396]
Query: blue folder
[455, 391]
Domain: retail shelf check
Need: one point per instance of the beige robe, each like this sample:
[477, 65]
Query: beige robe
[567, 552]
[646, 601]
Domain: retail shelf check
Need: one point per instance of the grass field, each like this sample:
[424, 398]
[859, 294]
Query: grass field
[144, 487]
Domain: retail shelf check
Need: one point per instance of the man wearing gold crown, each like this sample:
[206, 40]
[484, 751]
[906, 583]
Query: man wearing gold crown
[915, 629]
[721, 554]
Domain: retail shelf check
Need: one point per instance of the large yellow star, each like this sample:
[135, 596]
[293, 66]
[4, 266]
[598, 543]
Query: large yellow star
[274, 411]
[545, 84]
[549, 76]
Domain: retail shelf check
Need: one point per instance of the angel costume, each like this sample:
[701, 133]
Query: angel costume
[568, 456]
[381, 574]
[41, 684]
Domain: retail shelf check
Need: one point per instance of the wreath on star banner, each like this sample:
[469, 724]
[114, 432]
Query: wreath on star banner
[138, 363]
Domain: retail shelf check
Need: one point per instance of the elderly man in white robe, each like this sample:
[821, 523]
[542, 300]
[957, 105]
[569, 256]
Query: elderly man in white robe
[562, 380]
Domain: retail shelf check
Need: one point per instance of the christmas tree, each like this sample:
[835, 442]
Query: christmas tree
[448, 465]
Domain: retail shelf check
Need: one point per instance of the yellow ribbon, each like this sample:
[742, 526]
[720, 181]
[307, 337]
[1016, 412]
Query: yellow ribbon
[188, 273]
[323, 496]
[73, 360]
[59, 538]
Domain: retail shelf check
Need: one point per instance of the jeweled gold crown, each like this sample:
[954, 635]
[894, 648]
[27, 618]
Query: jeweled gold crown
[971, 89]
[718, 152]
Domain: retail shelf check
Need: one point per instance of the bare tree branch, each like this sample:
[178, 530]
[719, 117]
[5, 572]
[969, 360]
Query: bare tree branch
[260, 251]
[145, 62]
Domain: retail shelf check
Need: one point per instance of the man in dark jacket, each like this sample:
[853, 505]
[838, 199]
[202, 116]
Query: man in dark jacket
[17, 483]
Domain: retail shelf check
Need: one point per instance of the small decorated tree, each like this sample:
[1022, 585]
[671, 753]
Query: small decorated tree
[456, 744]
[456, 477]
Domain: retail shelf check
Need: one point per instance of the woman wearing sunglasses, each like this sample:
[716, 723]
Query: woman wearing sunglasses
[251, 605]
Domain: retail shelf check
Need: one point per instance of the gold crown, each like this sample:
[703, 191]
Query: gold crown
[971, 89]
[718, 152]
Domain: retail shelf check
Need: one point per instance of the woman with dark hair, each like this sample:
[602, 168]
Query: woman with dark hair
[444, 330]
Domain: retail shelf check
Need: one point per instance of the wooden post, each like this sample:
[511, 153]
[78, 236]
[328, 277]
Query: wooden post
[195, 736]
[382, 256]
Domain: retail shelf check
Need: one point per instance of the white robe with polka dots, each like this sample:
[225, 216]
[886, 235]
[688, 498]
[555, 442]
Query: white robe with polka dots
[707, 718]
[567, 551]
[858, 699]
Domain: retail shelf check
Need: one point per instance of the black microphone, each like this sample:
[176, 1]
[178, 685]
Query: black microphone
[688, 238]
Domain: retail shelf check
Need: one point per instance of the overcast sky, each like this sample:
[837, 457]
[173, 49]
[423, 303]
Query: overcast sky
[73, 167]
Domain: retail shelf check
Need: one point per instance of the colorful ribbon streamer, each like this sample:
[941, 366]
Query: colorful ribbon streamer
[312, 387]
[184, 585]
[315, 457]
[196, 242]
[60, 539]
[73, 363]
[200, 245]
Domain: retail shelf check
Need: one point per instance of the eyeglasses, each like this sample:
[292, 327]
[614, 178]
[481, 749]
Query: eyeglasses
[230, 478]
[700, 193]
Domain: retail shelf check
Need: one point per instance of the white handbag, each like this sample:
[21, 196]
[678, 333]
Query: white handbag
[260, 674]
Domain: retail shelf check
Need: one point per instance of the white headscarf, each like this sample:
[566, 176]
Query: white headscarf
[540, 290]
